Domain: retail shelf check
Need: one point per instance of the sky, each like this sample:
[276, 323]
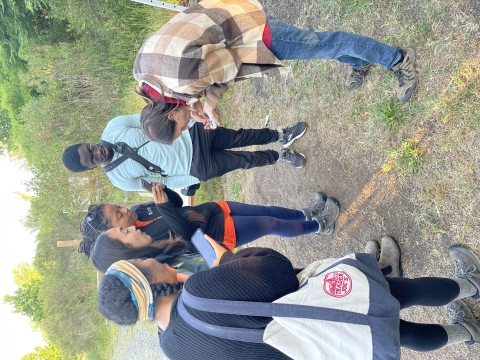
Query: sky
[18, 246]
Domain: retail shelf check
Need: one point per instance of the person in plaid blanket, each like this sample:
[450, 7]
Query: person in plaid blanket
[210, 46]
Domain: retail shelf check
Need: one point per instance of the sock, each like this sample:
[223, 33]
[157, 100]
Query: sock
[456, 333]
[280, 135]
[467, 289]
[402, 56]
[279, 155]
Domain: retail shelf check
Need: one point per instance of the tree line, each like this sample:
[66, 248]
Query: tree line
[65, 71]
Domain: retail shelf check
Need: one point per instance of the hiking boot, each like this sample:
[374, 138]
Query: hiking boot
[290, 134]
[406, 75]
[292, 157]
[372, 248]
[389, 261]
[459, 313]
[328, 217]
[466, 266]
[357, 76]
[316, 206]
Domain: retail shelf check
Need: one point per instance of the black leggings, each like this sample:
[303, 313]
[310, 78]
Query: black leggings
[427, 291]
[254, 221]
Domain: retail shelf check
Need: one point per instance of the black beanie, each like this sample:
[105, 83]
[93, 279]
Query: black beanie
[71, 159]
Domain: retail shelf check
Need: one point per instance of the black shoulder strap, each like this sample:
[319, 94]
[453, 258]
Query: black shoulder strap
[129, 153]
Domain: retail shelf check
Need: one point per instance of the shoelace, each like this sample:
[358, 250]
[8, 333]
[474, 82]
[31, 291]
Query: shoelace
[359, 74]
[402, 76]
[456, 316]
[288, 155]
[460, 271]
[287, 130]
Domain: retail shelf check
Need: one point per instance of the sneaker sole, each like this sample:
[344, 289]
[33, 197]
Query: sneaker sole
[414, 57]
[295, 138]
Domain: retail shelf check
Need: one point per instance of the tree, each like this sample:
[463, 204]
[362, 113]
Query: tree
[25, 299]
[48, 352]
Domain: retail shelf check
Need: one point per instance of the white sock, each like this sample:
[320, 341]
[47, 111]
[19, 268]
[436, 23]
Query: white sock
[456, 334]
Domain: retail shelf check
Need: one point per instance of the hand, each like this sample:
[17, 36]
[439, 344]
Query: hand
[219, 251]
[197, 113]
[159, 196]
[212, 114]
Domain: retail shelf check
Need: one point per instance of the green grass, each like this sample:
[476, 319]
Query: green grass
[389, 113]
[210, 191]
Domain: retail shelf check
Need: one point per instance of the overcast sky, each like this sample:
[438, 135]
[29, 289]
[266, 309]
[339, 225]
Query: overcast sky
[18, 246]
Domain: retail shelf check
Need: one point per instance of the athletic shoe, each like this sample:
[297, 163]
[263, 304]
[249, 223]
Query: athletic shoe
[316, 206]
[459, 313]
[357, 76]
[373, 248]
[290, 134]
[292, 157]
[328, 217]
[466, 266]
[406, 75]
[389, 260]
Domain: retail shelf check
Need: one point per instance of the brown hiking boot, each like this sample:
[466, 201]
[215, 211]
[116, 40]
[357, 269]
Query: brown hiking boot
[406, 75]
[389, 258]
[357, 76]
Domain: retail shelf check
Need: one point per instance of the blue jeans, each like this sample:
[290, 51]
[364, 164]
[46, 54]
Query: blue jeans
[292, 43]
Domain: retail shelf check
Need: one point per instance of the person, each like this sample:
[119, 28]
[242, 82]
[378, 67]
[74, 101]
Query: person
[196, 155]
[264, 275]
[212, 45]
[232, 224]
[101, 217]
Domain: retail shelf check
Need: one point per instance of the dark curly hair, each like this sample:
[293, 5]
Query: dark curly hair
[108, 250]
[71, 159]
[92, 225]
[115, 301]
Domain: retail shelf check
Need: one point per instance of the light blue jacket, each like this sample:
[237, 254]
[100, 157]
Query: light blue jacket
[175, 160]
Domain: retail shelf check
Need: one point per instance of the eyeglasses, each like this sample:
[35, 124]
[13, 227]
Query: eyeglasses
[96, 157]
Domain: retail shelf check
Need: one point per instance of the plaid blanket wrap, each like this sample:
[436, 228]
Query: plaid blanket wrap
[206, 49]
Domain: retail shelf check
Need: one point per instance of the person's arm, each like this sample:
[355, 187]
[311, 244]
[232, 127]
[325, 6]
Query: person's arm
[173, 197]
[253, 274]
[170, 214]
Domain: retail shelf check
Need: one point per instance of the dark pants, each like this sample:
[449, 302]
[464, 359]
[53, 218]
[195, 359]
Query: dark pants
[253, 222]
[211, 157]
[427, 291]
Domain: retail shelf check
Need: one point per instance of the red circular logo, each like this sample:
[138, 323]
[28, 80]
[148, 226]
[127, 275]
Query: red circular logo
[337, 284]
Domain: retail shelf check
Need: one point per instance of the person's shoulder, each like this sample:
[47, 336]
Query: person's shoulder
[124, 119]
[117, 126]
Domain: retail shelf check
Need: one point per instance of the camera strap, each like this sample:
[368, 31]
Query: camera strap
[128, 152]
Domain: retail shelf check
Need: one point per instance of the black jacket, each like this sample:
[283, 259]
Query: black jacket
[181, 221]
[252, 274]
